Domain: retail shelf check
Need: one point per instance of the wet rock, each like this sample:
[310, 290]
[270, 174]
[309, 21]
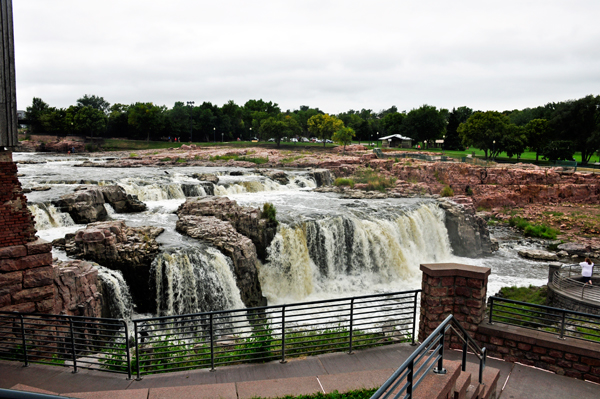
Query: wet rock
[117, 246]
[574, 248]
[223, 236]
[86, 204]
[468, 233]
[77, 289]
[278, 176]
[322, 177]
[538, 254]
[214, 179]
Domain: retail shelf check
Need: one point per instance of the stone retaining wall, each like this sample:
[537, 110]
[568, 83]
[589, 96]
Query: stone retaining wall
[571, 357]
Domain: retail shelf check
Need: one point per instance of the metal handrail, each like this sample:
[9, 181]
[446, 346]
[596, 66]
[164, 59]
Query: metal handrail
[406, 378]
[565, 323]
[210, 339]
[564, 280]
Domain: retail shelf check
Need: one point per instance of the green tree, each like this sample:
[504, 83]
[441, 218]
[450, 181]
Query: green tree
[344, 136]
[426, 123]
[118, 124]
[514, 141]
[54, 121]
[536, 131]
[95, 102]
[484, 130]
[324, 125]
[34, 114]
[392, 122]
[146, 119]
[89, 121]
[559, 150]
[279, 127]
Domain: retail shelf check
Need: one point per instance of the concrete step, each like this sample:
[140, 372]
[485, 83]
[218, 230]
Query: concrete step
[487, 390]
[462, 384]
[439, 386]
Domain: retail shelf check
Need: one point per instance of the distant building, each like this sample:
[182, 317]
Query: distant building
[396, 140]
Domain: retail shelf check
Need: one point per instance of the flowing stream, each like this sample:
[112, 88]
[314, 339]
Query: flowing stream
[326, 247]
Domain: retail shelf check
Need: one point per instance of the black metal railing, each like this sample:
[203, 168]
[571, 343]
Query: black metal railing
[211, 339]
[403, 382]
[208, 340]
[568, 280]
[564, 323]
[80, 342]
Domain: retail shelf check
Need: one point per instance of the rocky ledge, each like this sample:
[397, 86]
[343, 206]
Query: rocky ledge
[117, 246]
[234, 230]
[86, 204]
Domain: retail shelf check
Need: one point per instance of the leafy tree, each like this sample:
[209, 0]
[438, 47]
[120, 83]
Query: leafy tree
[146, 119]
[484, 130]
[579, 121]
[324, 125]
[392, 122]
[514, 141]
[279, 127]
[255, 111]
[181, 121]
[95, 102]
[89, 121]
[344, 136]
[425, 123]
[537, 131]
[303, 115]
[118, 125]
[559, 150]
[54, 121]
[34, 114]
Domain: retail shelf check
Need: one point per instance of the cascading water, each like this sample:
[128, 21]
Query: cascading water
[345, 254]
[194, 280]
[48, 217]
[116, 293]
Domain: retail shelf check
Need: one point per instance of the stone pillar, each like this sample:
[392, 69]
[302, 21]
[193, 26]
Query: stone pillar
[553, 268]
[452, 288]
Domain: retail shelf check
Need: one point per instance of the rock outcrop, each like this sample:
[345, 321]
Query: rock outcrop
[468, 233]
[86, 204]
[237, 232]
[77, 289]
[245, 220]
[538, 254]
[117, 246]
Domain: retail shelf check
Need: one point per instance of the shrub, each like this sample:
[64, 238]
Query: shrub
[133, 155]
[373, 180]
[447, 191]
[343, 181]
[533, 230]
[269, 212]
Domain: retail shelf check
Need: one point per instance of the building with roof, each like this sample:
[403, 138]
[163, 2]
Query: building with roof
[396, 140]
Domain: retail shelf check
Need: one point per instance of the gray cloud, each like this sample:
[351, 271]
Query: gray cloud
[335, 55]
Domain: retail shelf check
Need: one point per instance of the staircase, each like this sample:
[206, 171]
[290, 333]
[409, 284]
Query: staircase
[458, 384]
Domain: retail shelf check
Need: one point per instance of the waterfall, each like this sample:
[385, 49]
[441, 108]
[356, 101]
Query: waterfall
[346, 255]
[48, 217]
[265, 184]
[194, 280]
[116, 295]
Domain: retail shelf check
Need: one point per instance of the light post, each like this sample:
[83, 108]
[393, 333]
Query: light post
[377, 139]
[443, 144]
[251, 134]
[222, 137]
[494, 149]
[214, 134]
[191, 105]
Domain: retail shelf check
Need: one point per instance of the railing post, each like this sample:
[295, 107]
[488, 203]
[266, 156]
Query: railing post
[127, 349]
[562, 326]
[73, 345]
[482, 364]
[283, 335]
[137, 350]
[414, 328]
[440, 367]
[25, 358]
[351, 325]
[491, 310]
[464, 355]
[212, 344]
[409, 379]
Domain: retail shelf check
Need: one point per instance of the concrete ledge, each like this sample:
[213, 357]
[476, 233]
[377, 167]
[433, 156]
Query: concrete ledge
[278, 388]
[125, 394]
[353, 381]
[213, 391]
[455, 269]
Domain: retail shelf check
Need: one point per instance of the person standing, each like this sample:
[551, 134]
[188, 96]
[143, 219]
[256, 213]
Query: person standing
[587, 267]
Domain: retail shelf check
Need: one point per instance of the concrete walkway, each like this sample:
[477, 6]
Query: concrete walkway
[324, 373]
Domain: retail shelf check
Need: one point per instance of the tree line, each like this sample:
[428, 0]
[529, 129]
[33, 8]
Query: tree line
[554, 131]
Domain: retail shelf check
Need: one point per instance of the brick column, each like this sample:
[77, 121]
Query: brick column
[452, 288]
[26, 273]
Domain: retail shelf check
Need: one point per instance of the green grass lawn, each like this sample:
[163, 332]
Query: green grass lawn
[130, 145]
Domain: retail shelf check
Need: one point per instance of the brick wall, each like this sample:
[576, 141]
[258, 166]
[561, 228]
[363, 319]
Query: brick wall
[571, 357]
[16, 222]
[452, 288]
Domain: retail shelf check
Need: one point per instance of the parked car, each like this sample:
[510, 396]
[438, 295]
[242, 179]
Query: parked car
[304, 140]
[294, 140]
[329, 141]
[271, 139]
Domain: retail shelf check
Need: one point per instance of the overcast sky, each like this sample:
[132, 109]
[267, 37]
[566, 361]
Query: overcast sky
[334, 55]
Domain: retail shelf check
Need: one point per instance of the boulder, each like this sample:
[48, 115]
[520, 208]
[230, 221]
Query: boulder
[86, 204]
[223, 236]
[468, 233]
[322, 177]
[538, 254]
[573, 248]
[117, 246]
[77, 289]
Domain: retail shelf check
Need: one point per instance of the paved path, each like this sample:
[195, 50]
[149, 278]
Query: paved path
[324, 373]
